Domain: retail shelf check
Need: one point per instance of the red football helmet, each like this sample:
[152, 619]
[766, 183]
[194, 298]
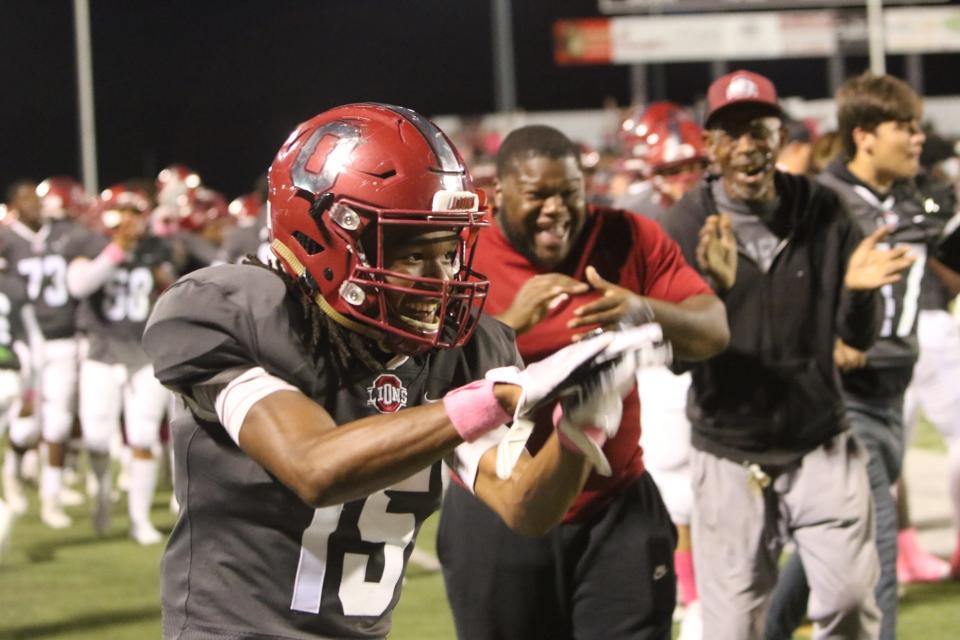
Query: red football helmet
[208, 206]
[245, 209]
[664, 144]
[176, 186]
[118, 198]
[62, 196]
[338, 181]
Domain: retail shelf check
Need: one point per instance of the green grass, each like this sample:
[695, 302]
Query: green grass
[72, 585]
[927, 437]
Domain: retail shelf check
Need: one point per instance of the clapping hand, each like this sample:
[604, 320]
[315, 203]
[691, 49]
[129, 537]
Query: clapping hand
[871, 267]
[717, 251]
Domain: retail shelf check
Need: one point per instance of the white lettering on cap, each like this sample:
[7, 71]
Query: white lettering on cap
[742, 87]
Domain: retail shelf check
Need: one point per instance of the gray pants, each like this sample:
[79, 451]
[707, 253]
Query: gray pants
[823, 503]
[878, 426]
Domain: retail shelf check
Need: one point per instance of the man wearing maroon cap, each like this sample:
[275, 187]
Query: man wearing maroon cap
[772, 456]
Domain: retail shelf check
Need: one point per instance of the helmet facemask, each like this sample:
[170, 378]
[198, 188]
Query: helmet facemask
[414, 312]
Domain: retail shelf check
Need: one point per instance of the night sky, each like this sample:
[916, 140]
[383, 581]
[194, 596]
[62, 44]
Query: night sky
[218, 84]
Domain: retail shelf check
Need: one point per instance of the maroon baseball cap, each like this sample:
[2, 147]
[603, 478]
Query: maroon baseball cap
[740, 87]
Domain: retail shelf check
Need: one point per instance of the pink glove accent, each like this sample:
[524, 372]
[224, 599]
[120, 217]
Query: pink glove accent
[113, 252]
[474, 410]
[594, 433]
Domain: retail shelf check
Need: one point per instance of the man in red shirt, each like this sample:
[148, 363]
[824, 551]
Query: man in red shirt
[559, 269]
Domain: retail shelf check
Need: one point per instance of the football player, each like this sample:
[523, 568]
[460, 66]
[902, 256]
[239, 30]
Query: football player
[13, 353]
[38, 250]
[663, 152]
[118, 276]
[320, 395]
[250, 235]
[558, 268]
[879, 124]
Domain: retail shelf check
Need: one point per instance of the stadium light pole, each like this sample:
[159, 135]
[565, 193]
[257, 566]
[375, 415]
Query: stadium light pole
[505, 84]
[88, 129]
[878, 62]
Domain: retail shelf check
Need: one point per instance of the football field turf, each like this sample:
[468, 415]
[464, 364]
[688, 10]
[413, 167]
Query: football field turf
[72, 585]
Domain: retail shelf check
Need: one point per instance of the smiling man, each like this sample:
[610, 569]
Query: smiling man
[771, 449]
[560, 269]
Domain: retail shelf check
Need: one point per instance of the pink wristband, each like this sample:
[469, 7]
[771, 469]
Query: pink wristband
[474, 410]
[113, 252]
[594, 433]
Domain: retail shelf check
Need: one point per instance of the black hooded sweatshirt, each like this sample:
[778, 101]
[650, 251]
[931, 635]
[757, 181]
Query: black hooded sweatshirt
[774, 394]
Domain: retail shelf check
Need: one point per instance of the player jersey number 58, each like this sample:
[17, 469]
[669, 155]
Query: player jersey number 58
[127, 295]
[384, 530]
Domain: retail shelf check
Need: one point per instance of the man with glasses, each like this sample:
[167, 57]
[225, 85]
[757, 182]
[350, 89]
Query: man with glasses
[771, 452]
[879, 124]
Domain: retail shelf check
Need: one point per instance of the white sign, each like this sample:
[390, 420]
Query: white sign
[926, 30]
[733, 36]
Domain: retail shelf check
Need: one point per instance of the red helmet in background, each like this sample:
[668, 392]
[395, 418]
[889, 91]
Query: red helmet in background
[116, 199]
[208, 206]
[665, 145]
[660, 136]
[338, 182]
[176, 186]
[245, 209]
[63, 197]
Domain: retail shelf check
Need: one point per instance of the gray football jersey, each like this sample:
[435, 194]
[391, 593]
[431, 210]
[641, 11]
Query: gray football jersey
[41, 260]
[114, 316]
[248, 558]
[13, 297]
[896, 346]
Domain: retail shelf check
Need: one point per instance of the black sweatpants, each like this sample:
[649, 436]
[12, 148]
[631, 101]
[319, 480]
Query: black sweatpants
[608, 578]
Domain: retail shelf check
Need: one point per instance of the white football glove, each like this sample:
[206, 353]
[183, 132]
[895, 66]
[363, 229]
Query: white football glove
[584, 373]
[597, 403]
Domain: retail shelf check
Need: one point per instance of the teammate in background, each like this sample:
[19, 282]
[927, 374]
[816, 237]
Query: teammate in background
[771, 453]
[663, 150]
[38, 250]
[665, 147]
[118, 278]
[879, 124]
[14, 367]
[321, 395]
[250, 235]
[932, 390]
[558, 269]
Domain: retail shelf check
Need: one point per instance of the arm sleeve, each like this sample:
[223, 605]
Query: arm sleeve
[859, 313]
[84, 276]
[234, 399]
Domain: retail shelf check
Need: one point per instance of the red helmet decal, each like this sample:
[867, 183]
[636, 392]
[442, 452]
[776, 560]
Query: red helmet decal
[387, 393]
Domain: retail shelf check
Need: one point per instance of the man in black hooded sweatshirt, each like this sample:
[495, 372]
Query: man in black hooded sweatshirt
[771, 452]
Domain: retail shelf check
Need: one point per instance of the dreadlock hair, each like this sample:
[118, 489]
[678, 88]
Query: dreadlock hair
[322, 331]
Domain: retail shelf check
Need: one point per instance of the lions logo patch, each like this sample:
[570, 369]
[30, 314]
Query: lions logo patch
[387, 393]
